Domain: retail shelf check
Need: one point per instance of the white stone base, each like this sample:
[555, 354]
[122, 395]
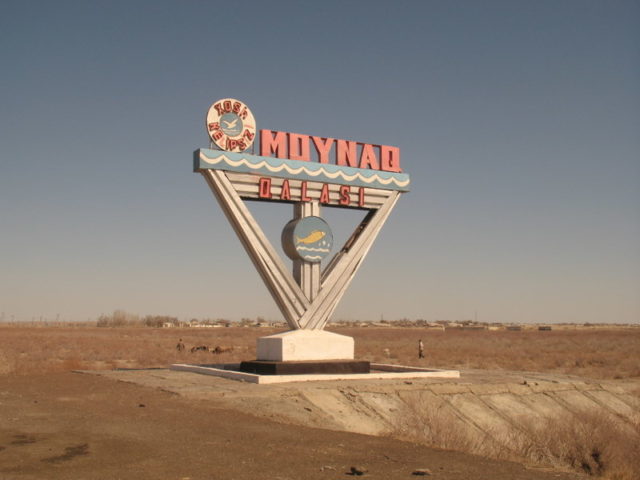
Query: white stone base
[379, 372]
[297, 345]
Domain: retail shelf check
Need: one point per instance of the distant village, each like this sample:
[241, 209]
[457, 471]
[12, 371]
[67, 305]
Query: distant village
[120, 318]
[439, 325]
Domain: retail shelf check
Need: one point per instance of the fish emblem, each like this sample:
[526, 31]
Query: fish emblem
[313, 237]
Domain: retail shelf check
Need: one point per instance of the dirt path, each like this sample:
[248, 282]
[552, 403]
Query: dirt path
[75, 426]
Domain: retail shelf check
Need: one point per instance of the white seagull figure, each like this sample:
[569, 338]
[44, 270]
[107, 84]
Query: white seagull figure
[231, 124]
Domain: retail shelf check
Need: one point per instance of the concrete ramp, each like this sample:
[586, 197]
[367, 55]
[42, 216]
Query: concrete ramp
[470, 413]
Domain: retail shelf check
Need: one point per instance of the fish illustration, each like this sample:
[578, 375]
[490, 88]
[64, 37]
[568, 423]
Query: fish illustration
[313, 237]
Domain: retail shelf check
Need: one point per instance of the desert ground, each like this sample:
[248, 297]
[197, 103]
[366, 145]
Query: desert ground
[127, 416]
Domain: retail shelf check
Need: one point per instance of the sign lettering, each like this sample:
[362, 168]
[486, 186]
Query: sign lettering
[295, 146]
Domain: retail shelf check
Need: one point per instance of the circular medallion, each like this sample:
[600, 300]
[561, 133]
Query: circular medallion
[231, 126]
[308, 239]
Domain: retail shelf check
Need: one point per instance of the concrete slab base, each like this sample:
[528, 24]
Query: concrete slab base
[379, 371]
[300, 345]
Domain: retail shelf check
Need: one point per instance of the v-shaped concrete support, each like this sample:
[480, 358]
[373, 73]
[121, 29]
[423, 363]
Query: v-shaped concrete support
[287, 294]
[340, 272]
[313, 309]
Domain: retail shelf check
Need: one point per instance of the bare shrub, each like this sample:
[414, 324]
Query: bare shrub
[159, 320]
[119, 318]
[592, 442]
[435, 424]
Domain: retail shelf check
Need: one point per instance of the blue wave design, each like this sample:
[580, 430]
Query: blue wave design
[313, 171]
[313, 257]
[311, 249]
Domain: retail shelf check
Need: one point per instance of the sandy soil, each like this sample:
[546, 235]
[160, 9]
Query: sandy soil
[79, 426]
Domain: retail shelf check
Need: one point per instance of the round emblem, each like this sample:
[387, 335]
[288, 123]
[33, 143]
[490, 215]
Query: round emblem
[309, 239]
[231, 126]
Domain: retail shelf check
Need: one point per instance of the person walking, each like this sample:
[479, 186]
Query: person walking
[420, 349]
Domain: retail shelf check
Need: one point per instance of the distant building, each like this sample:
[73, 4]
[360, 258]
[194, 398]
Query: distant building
[435, 326]
[466, 328]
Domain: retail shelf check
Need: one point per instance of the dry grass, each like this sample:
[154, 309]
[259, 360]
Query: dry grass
[591, 442]
[27, 350]
[584, 441]
[602, 354]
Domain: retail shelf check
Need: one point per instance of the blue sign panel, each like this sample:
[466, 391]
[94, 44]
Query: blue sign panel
[312, 171]
[309, 239]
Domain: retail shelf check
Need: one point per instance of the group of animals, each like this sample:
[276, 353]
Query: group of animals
[217, 350]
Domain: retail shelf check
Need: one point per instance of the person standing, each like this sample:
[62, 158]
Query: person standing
[420, 349]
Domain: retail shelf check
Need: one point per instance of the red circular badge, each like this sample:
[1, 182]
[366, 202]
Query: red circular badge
[231, 126]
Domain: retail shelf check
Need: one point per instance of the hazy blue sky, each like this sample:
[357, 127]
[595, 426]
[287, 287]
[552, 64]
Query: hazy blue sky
[519, 122]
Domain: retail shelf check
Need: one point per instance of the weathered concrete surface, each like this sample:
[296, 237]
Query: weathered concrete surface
[296, 345]
[491, 402]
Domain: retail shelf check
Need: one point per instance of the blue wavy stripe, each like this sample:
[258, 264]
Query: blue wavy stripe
[312, 171]
[311, 249]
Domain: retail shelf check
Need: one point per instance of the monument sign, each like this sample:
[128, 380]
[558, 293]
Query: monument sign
[310, 173]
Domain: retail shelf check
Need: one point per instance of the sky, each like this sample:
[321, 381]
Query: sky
[518, 121]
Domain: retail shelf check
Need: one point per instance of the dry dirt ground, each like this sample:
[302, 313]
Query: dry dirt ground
[80, 426]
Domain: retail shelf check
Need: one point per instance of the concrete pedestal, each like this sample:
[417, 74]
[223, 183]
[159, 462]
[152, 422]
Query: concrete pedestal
[301, 345]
